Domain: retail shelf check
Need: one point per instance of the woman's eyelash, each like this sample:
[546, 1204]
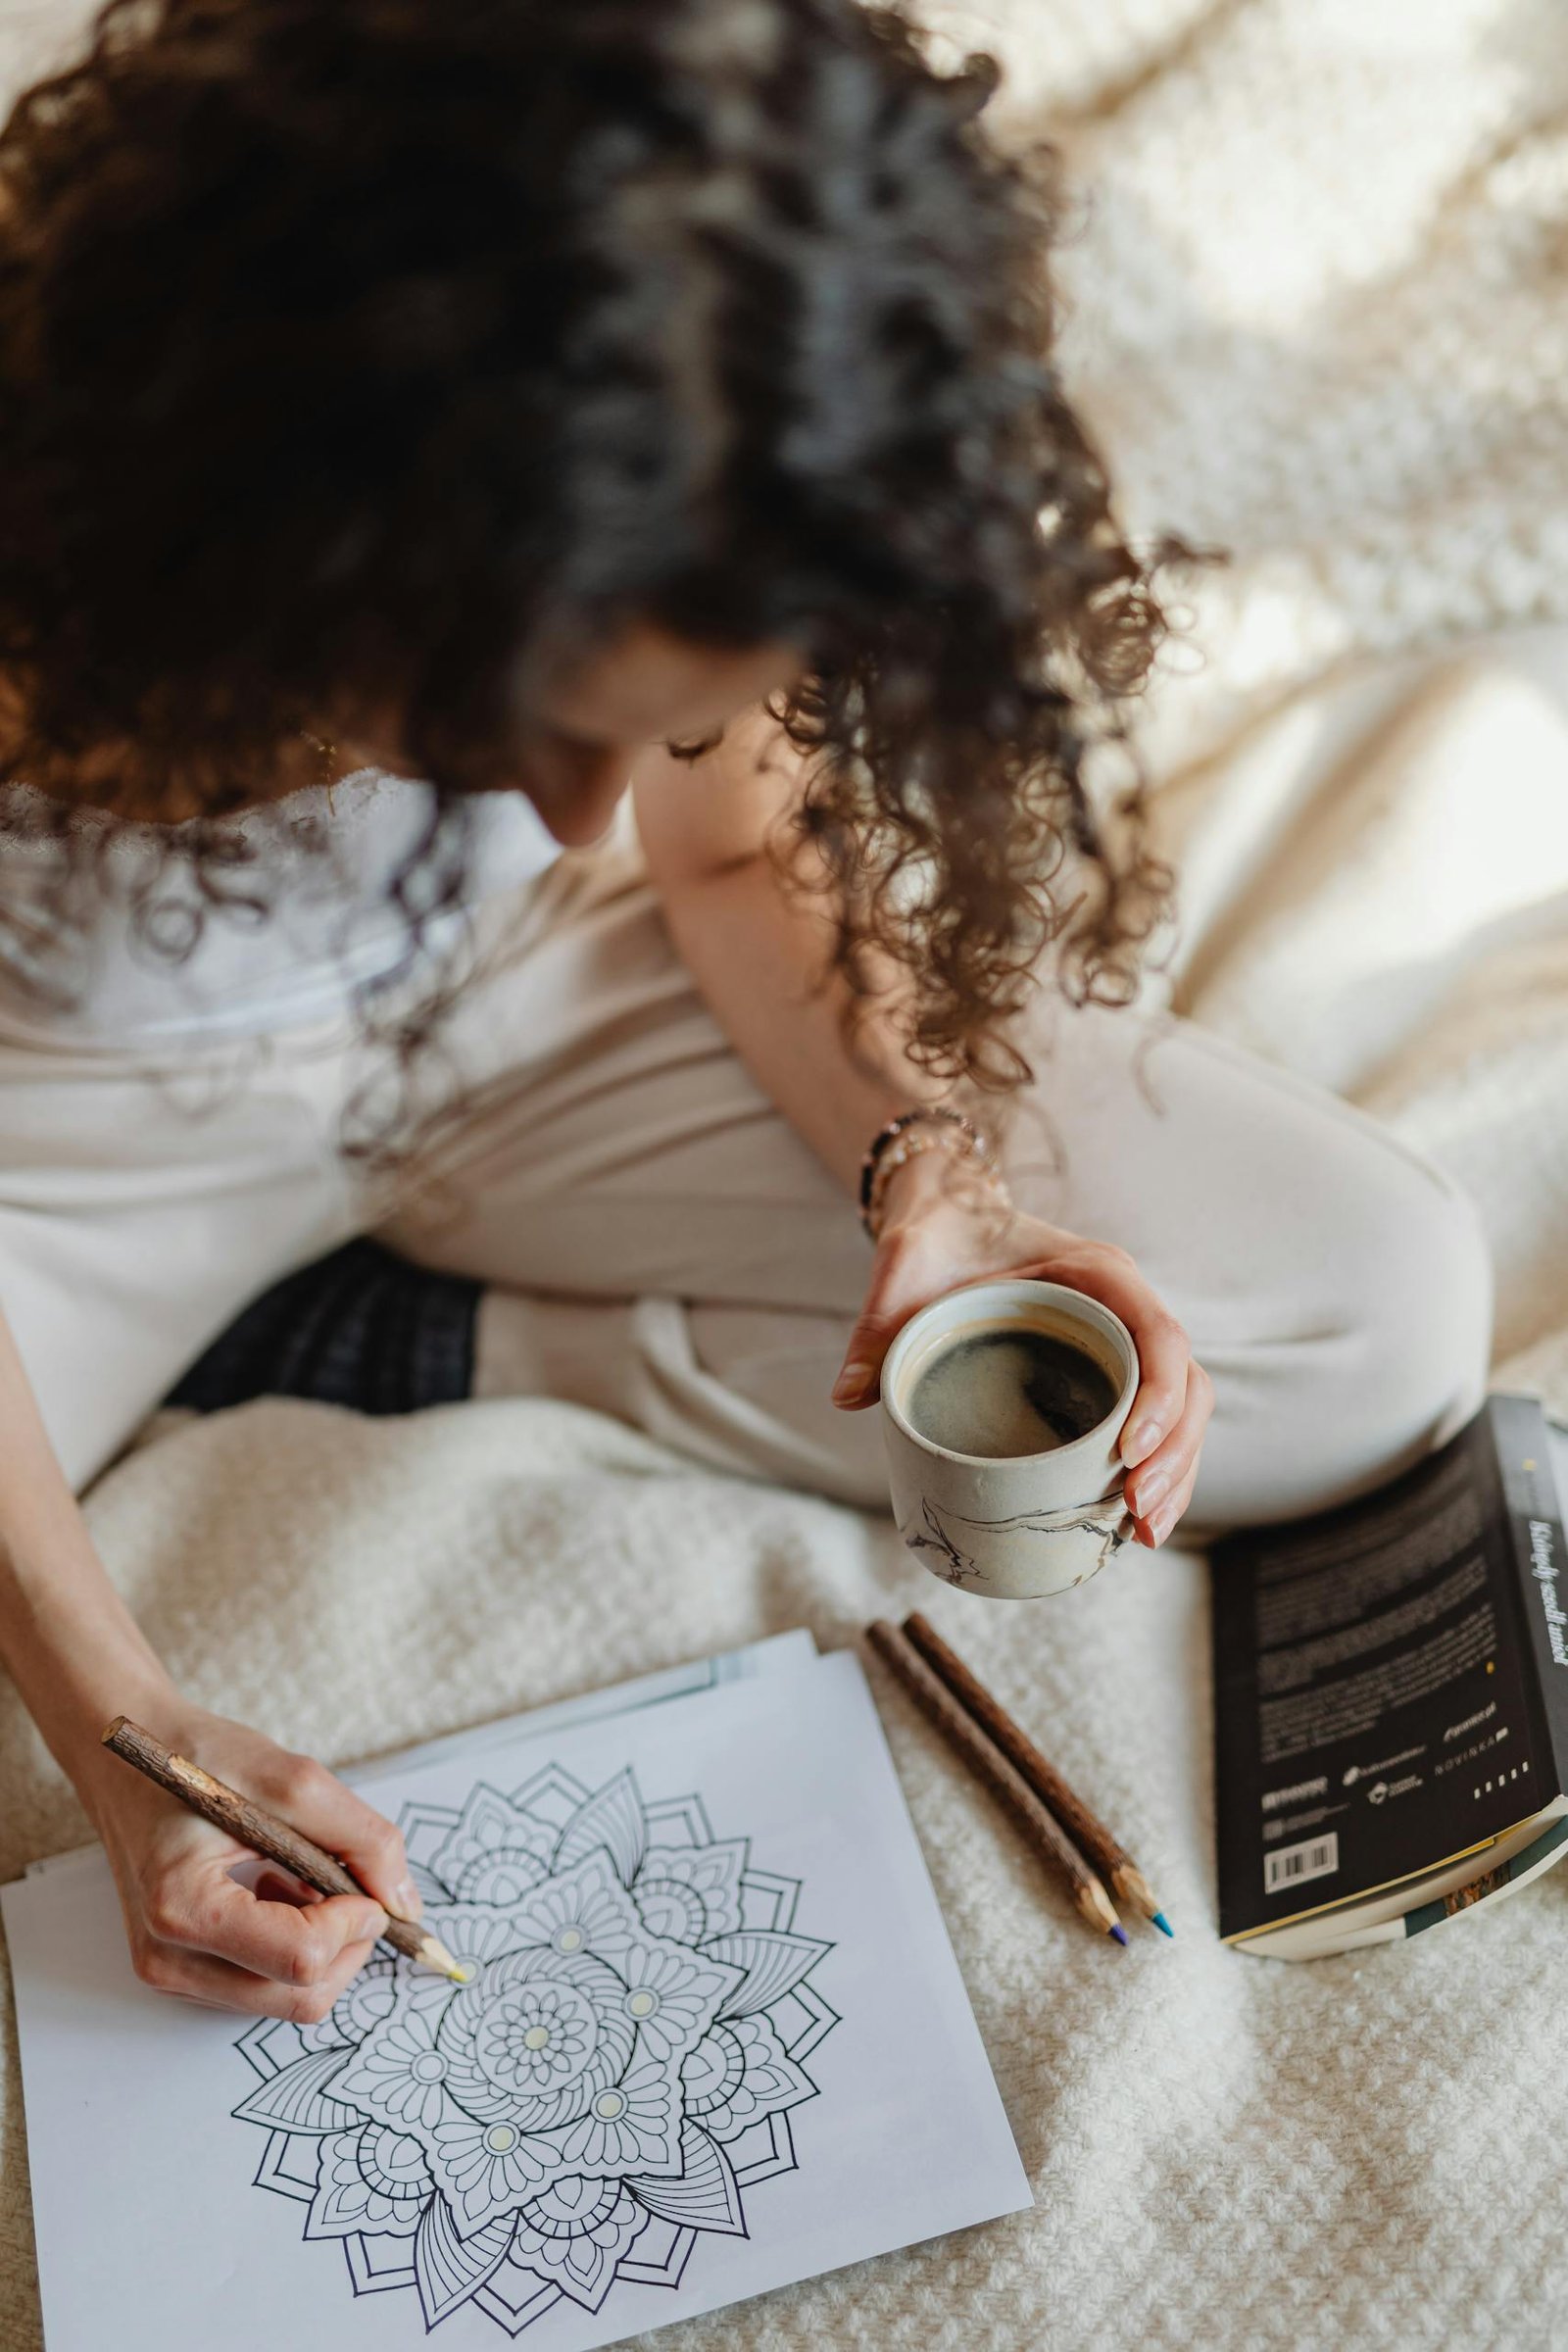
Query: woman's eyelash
[695, 746]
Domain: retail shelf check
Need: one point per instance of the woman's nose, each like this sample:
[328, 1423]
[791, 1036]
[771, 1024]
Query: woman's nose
[577, 787]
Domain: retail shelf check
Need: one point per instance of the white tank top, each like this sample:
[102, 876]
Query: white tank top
[332, 926]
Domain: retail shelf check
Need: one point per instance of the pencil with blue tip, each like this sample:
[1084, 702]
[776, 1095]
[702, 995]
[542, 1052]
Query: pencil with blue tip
[1084, 1828]
[989, 1765]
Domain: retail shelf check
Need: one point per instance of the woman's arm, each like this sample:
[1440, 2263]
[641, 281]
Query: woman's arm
[759, 952]
[78, 1658]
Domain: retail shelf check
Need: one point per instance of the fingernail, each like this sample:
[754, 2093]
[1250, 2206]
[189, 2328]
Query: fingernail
[851, 1383]
[406, 1900]
[1138, 1441]
[1149, 1490]
[1161, 1526]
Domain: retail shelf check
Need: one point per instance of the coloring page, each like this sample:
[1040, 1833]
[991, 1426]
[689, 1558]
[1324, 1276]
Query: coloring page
[713, 2039]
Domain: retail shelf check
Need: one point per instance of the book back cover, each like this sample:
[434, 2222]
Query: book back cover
[1377, 1692]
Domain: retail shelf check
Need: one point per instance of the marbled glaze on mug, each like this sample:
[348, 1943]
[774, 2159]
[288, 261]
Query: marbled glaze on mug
[1017, 1526]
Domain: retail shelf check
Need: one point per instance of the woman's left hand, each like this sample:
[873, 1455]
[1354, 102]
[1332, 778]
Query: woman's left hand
[936, 1236]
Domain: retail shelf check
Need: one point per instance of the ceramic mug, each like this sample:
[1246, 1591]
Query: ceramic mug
[1013, 1527]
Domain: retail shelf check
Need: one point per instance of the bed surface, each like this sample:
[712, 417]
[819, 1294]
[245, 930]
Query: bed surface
[1295, 208]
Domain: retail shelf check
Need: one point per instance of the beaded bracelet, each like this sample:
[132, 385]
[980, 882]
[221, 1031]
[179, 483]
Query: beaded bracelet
[909, 1148]
[890, 1134]
[894, 1146]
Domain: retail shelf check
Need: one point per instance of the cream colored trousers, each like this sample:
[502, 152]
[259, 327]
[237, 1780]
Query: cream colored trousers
[663, 1246]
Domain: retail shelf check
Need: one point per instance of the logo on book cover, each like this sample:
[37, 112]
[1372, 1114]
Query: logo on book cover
[1381, 1790]
[614, 2085]
[1384, 1764]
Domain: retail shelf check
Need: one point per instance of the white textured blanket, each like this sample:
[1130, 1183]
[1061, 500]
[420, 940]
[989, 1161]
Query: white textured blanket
[1225, 2151]
[1322, 318]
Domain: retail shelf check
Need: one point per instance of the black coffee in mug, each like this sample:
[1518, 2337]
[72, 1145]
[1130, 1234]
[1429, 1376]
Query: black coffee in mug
[1009, 1389]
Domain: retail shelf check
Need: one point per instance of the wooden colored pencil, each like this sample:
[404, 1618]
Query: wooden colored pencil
[986, 1760]
[265, 1834]
[1084, 1828]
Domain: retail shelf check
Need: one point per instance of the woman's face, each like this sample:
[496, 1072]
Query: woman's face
[644, 689]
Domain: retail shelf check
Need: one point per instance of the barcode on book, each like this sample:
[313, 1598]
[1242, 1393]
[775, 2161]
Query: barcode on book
[1294, 1865]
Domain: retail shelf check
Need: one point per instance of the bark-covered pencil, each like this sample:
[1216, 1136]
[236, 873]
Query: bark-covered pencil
[262, 1832]
[986, 1760]
[1085, 1828]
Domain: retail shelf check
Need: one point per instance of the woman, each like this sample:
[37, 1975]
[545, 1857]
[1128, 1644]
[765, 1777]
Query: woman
[562, 404]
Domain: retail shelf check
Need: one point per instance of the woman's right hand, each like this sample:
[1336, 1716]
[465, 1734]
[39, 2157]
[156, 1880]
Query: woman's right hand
[272, 1949]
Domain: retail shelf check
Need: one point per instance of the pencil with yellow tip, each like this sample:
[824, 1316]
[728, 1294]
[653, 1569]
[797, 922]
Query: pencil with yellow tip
[249, 1823]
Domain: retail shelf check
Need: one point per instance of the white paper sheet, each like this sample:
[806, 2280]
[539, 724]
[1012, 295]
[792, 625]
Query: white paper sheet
[775, 1654]
[717, 2042]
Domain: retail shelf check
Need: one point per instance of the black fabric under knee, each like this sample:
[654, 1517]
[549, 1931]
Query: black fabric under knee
[361, 1328]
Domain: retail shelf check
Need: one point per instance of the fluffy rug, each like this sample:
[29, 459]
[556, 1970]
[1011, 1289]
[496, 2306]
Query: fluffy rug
[1321, 317]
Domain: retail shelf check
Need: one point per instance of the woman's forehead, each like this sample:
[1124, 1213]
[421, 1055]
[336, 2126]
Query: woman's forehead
[645, 686]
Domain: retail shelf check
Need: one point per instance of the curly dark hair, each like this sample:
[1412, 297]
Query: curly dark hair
[357, 348]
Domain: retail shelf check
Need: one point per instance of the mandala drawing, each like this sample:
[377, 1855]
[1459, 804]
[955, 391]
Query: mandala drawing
[611, 2085]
